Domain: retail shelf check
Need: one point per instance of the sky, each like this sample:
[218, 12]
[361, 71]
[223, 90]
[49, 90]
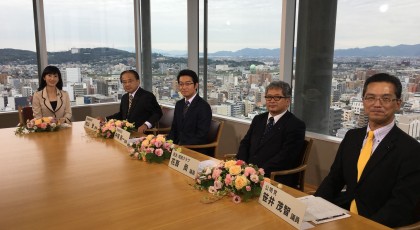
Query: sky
[233, 24]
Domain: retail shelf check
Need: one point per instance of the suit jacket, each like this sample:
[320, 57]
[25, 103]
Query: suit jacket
[144, 107]
[41, 105]
[194, 127]
[389, 187]
[281, 148]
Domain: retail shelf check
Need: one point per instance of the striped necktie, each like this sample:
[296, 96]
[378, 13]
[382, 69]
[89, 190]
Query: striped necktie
[130, 100]
[364, 156]
[268, 128]
[186, 106]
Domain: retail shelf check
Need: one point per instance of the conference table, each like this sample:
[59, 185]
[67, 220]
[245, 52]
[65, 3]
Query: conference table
[71, 179]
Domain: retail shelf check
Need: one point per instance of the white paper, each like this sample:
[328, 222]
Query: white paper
[321, 211]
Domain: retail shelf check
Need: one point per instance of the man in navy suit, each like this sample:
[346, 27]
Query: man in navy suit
[192, 115]
[275, 139]
[137, 105]
[387, 188]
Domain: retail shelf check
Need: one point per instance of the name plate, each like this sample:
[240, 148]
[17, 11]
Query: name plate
[183, 164]
[283, 205]
[92, 123]
[122, 136]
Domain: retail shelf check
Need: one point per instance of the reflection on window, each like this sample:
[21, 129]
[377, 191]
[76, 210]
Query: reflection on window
[92, 42]
[18, 60]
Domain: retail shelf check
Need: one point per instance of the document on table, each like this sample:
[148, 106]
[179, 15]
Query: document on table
[321, 211]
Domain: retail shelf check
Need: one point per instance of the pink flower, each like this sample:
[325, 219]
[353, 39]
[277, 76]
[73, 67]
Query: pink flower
[167, 145]
[159, 152]
[254, 178]
[240, 162]
[152, 141]
[212, 190]
[236, 199]
[218, 184]
[248, 188]
[249, 171]
[216, 173]
[261, 171]
[158, 144]
[228, 179]
[150, 150]
[136, 155]
[43, 125]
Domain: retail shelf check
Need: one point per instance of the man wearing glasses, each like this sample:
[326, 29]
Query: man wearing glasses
[275, 138]
[378, 165]
[138, 106]
[192, 115]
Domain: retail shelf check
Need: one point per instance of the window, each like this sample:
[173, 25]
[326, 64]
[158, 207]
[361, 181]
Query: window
[243, 54]
[169, 47]
[18, 60]
[92, 42]
[384, 37]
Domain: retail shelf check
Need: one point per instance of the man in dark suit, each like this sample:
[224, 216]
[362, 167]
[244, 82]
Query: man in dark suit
[192, 115]
[275, 139]
[137, 105]
[384, 186]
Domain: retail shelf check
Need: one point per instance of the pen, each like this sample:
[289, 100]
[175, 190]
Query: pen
[330, 217]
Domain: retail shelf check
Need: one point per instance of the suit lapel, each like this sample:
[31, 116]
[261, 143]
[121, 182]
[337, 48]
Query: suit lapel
[59, 100]
[133, 103]
[380, 152]
[278, 126]
[47, 102]
[193, 104]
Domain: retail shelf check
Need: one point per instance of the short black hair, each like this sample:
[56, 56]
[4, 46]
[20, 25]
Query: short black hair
[384, 77]
[50, 70]
[136, 75]
[188, 72]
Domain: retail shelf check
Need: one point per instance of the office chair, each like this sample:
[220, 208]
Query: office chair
[216, 128]
[25, 113]
[300, 170]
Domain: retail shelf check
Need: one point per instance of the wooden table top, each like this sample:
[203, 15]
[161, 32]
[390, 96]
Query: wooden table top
[71, 180]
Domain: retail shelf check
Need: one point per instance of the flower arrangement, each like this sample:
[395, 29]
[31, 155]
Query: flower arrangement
[43, 124]
[152, 148]
[107, 129]
[237, 179]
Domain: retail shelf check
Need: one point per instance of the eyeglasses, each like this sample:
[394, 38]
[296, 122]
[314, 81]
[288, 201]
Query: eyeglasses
[384, 99]
[182, 84]
[276, 98]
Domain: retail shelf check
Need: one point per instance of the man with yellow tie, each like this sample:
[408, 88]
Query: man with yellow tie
[378, 165]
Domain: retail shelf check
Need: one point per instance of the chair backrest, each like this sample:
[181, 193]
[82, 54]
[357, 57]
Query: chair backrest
[25, 113]
[306, 149]
[215, 132]
[167, 118]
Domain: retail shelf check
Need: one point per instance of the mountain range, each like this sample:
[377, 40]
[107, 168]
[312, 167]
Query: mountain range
[115, 56]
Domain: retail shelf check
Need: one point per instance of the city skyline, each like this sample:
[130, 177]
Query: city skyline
[88, 24]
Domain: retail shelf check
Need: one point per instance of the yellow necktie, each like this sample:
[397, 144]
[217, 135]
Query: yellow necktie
[361, 163]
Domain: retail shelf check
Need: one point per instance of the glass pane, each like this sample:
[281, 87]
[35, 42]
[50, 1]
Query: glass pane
[169, 47]
[243, 50]
[18, 60]
[383, 37]
[92, 42]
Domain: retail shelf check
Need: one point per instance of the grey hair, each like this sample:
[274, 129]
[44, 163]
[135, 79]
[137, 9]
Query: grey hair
[285, 87]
